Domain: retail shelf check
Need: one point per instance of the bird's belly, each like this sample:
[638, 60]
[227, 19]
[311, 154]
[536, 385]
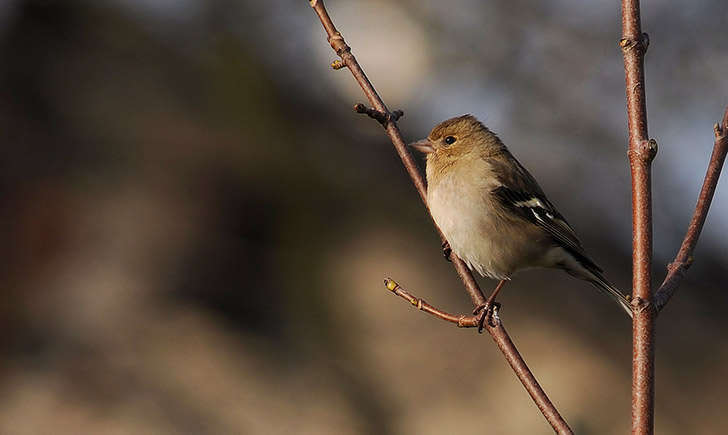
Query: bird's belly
[477, 233]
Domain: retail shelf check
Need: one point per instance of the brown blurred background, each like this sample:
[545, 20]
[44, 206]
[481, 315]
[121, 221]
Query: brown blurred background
[196, 225]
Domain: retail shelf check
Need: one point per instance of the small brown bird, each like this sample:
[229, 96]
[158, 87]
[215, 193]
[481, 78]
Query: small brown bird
[493, 212]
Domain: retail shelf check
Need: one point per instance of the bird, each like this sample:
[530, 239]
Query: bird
[493, 213]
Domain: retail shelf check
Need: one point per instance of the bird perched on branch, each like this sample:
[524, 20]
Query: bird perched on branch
[492, 211]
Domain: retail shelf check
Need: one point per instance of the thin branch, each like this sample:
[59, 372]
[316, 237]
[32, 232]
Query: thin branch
[498, 332]
[641, 152]
[503, 341]
[461, 320]
[684, 258]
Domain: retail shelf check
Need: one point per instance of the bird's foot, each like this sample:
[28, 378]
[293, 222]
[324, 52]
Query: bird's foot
[446, 251]
[486, 312]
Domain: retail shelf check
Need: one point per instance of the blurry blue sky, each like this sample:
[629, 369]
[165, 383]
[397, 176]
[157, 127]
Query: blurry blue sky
[546, 76]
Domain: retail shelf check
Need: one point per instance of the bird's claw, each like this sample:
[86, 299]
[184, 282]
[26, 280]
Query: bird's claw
[446, 251]
[486, 313]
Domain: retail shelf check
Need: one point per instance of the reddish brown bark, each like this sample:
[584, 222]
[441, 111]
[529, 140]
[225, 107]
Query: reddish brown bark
[388, 120]
[641, 152]
[684, 258]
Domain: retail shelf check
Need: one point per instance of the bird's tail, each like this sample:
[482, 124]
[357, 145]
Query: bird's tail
[608, 289]
[581, 266]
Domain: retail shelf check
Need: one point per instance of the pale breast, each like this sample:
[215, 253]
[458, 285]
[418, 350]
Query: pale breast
[478, 231]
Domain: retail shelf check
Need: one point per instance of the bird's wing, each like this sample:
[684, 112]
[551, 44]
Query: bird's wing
[521, 193]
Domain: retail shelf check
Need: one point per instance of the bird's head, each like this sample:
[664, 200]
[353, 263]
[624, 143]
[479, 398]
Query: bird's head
[458, 137]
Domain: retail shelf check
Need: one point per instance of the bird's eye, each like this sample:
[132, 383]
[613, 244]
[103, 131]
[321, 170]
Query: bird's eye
[450, 140]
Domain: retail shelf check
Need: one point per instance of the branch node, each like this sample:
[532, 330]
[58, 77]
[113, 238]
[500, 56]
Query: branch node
[645, 42]
[674, 266]
[639, 305]
[627, 44]
[651, 148]
[721, 128]
[381, 117]
[338, 44]
[646, 150]
[337, 64]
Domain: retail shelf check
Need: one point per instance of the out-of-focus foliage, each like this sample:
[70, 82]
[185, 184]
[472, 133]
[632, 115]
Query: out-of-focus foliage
[197, 225]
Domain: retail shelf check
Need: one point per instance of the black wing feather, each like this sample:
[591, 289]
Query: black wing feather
[538, 210]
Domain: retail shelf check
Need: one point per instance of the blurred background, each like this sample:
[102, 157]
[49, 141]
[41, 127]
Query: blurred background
[196, 224]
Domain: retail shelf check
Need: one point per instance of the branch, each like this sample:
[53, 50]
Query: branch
[461, 320]
[501, 338]
[684, 258]
[388, 121]
[634, 44]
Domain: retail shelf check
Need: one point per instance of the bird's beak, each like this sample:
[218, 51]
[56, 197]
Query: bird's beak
[423, 146]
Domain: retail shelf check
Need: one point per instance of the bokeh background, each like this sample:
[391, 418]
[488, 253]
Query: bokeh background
[196, 225]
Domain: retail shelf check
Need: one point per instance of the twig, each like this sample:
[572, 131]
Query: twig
[381, 117]
[498, 332]
[684, 258]
[641, 152]
[462, 320]
[503, 341]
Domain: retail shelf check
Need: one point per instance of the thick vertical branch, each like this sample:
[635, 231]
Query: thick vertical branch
[496, 329]
[641, 152]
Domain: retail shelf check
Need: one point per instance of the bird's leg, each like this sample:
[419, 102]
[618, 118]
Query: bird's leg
[446, 251]
[486, 310]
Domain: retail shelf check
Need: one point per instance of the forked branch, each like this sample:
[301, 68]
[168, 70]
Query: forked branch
[461, 320]
[684, 258]
[503, 341]
[634, 44]
[388, 120]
